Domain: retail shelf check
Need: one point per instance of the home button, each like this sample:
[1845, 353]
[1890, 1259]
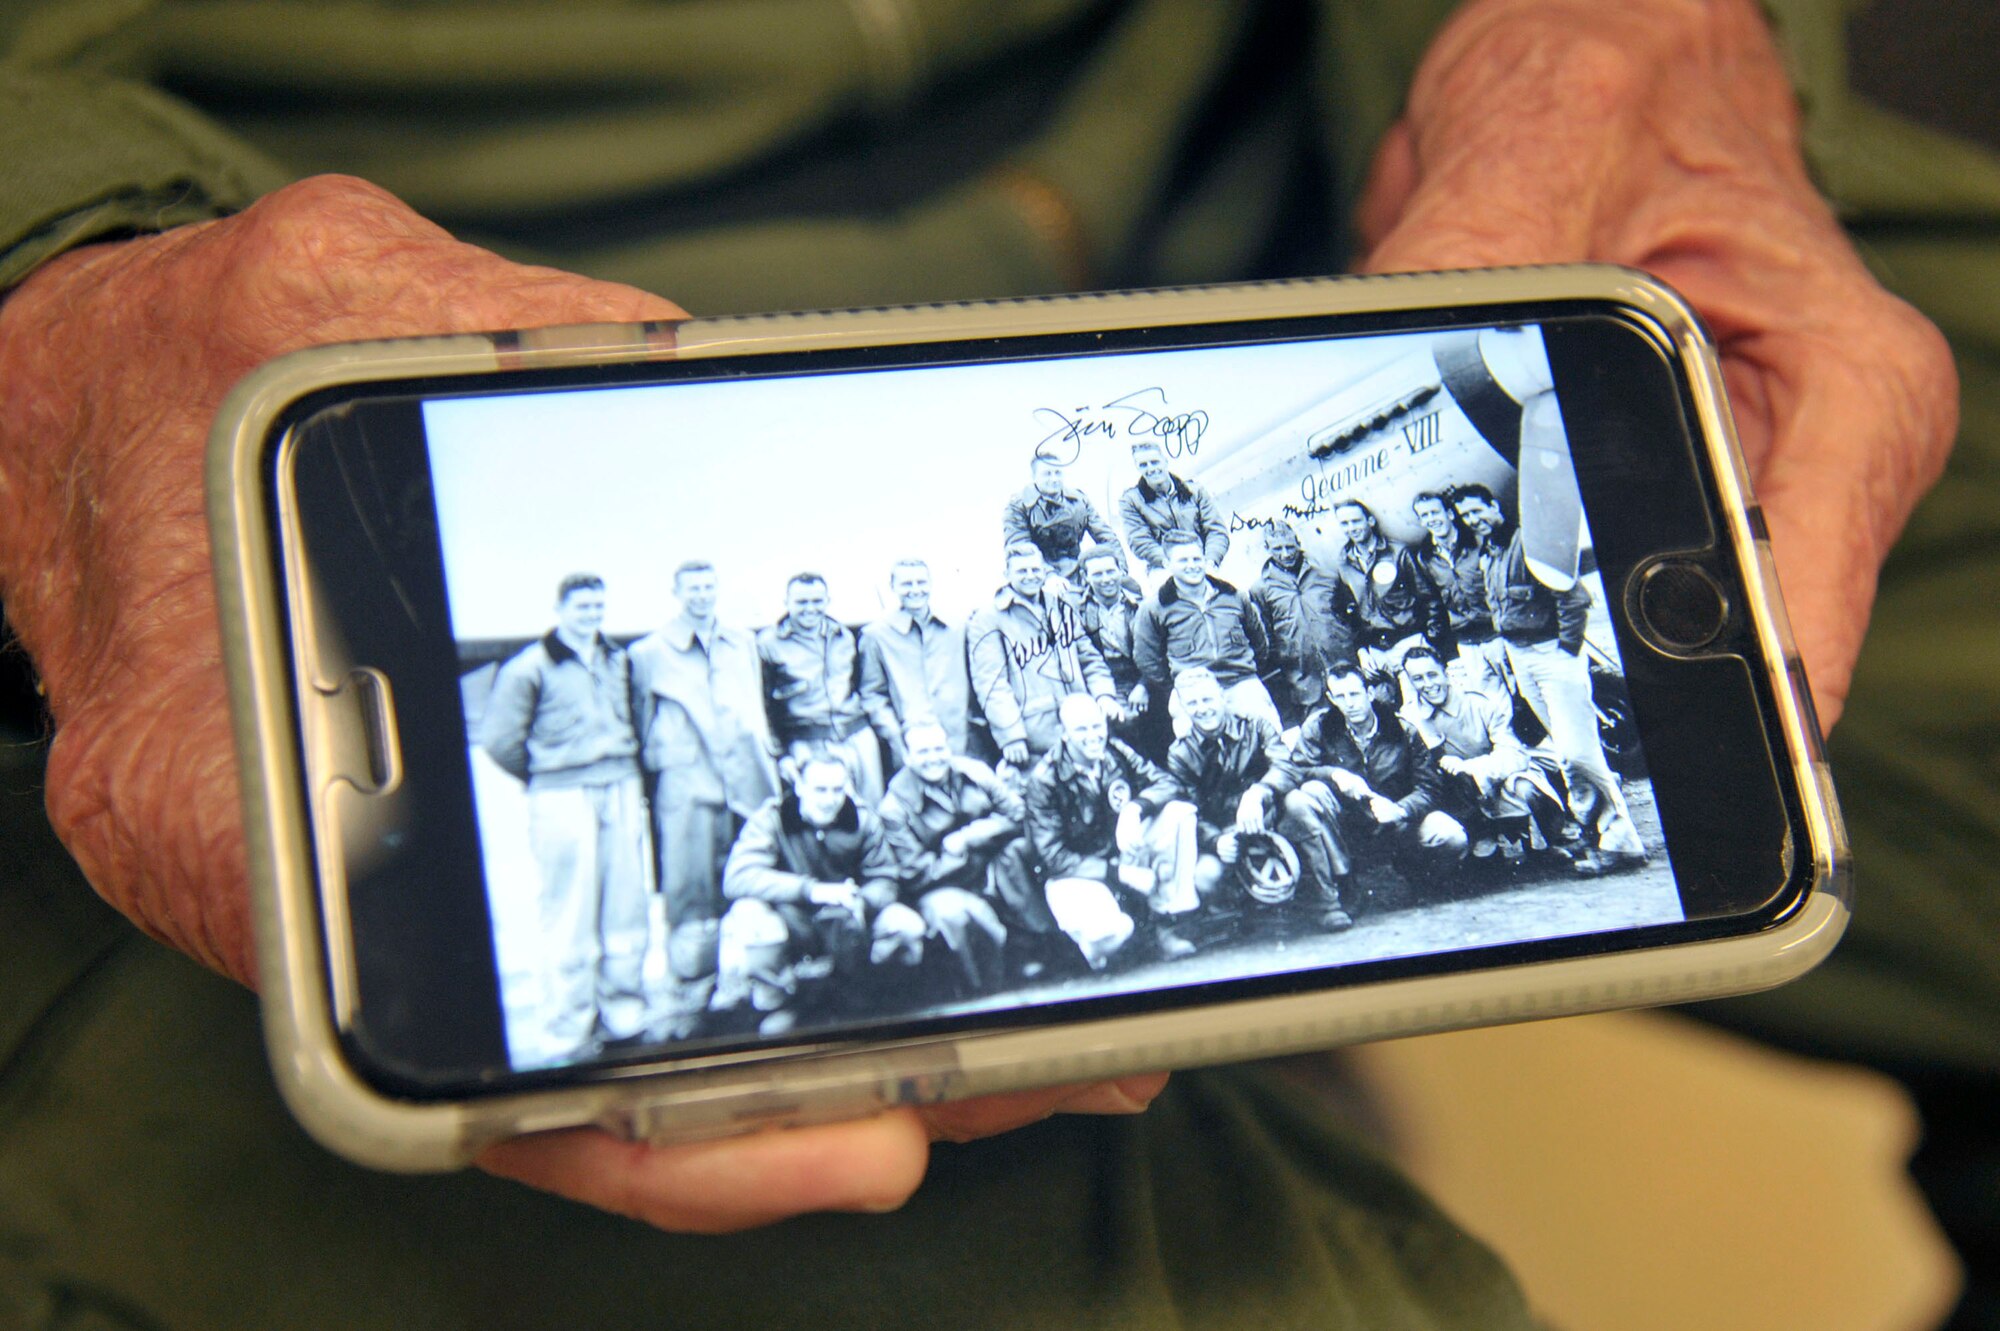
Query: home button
[1681, 606]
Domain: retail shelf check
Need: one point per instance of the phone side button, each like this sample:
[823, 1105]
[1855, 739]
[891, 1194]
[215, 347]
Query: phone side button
[364, 747]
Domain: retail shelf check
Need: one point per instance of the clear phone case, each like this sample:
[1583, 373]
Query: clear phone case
[263, 622]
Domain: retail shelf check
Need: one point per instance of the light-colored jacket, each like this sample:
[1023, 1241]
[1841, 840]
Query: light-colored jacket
[903, 678]
[1186, 506]
[700, 717]
[1026, 657]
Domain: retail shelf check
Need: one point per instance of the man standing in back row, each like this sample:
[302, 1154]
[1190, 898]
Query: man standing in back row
[1308, 619]
[1544, 633]
[809, 670]
[1396, 605]
[560, 719]
[1028, 651]
[913, 665]
[697, 702]
[1108, 604]
[1197, 619]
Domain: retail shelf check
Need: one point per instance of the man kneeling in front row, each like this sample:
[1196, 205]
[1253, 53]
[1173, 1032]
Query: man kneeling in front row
[812, 886]
[1367, 789]
[1232, 768]
[1115, 848]
[949, 820]
[1503, 791]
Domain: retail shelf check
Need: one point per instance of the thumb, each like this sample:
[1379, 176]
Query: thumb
[1473, 205]
[523, 296]
[1392, 179]
[1517, 137]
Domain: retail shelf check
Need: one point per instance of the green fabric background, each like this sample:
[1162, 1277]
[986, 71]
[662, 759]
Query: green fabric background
[778, 153]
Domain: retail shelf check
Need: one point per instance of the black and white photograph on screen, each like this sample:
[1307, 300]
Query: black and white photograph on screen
[797, 704]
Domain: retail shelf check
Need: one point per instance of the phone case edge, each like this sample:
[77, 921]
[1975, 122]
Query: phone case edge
[349, 1116]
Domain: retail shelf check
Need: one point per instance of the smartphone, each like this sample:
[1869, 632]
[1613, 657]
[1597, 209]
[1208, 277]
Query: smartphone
[690, 727]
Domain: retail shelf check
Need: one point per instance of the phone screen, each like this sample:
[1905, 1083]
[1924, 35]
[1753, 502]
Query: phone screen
[803, 701]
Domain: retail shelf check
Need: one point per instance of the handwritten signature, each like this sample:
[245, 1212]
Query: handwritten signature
[1065, 629]
[1144, 414]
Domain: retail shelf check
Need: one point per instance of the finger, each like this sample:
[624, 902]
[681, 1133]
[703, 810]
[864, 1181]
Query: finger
[529, 297]
[1489, 191]
[1686, 165]
[333, 259]
[1392, 179]
[1855, 443]
[1828, 586]
[1845, 401]
[1534, 125]
[1126, 1095]
[734, 1183]
[967, 1120]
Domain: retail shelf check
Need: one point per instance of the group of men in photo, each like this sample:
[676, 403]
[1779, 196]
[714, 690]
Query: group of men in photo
[1117, 758]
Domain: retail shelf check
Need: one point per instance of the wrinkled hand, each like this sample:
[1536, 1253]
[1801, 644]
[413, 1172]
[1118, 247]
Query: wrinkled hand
[1662, 134]
[114, 359]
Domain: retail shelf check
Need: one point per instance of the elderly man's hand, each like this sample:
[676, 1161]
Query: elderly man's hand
[114, 359]
[1663, 134]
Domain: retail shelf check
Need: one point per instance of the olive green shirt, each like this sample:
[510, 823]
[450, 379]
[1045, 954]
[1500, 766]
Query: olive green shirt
[786, 154]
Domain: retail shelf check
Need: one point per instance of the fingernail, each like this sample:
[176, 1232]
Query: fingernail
[1137, 1092]
[880, 1206]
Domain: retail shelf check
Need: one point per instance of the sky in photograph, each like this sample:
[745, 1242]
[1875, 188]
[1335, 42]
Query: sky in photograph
[839, 474]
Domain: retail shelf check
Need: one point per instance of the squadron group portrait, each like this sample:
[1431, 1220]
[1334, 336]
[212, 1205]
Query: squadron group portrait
[1117, 770]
